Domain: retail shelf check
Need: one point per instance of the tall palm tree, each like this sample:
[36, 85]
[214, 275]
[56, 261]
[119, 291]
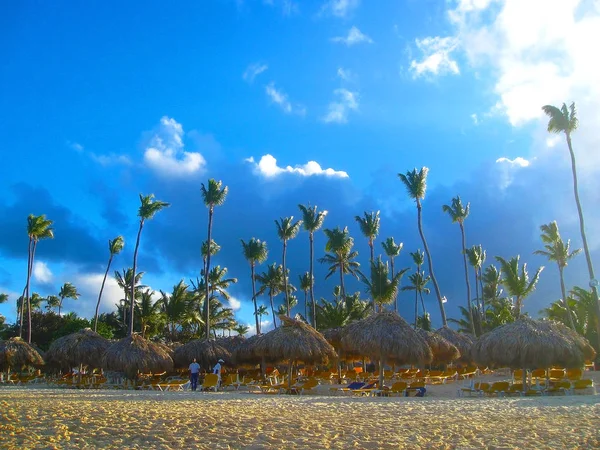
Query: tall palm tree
[382, 289]
[369, 227]
[148, 312]
[312, 220]
[124, 281]
[214, 249]
[67, 291]
[255, 252]
[114, 248]
[418, 283]
[341, 311]
[52, 301]
[392, 250]
[476, 258]
[341, 256]
[418, 258]
[559, 251]
[148, 208]
[175, 306]
[213, 194]
[306, 283]
[286, 230]
[38, 228]
[262, 310]
[415, 182]
[272, 282]
[516, 280]
[459, 213]
[564, 120]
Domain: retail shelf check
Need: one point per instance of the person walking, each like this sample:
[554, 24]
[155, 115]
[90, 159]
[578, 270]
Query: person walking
[217, 369]
[194, 373]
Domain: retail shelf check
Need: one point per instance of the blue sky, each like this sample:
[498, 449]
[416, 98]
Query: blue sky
[103, 101]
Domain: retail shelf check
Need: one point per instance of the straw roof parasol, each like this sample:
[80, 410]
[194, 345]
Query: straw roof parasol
[531, 344]
[16, 353]
[443, 351]
[231, 343]
[82, 347]
[206, 352]
[463, 342]
[134, 354]
[334, 337]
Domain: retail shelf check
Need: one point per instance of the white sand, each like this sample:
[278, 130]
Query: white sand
[60, 418]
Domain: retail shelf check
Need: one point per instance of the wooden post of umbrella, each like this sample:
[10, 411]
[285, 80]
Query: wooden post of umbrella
[381, 361]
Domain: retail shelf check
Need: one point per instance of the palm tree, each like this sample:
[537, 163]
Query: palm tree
[341, 311]
[418, 283]
[52, 301]
[255, 252]
[124, 281]
[67, 291]
[286, 230]
[293, 302]
[148, 311]
[459, 213]
[369, 227]
[114, 248]
[213, 195]
[415, 182]
[476, 256]
[306, 283]
[312, 221]
[392, 250]
[214, 249]
[262, 310]
[175, 306]
[516, 281]
[564, 120]
[38, 228]
[557, 250]
[272, 281]
[241, 329]
[341, 256]
[418, 258]
[148, 208]
[382, 289]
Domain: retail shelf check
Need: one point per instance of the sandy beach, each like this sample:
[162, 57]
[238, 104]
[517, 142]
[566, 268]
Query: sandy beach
[61, 418]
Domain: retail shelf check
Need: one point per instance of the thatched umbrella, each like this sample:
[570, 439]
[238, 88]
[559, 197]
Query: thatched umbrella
[294, 341]
[206, 352]
[83, 347]
[531, 344]
[463, 342]
[386, 336]
[135, 354]
[231, 343]
[16, 353]
[443, 351]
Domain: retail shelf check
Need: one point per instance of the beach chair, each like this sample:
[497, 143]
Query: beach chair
[478, 388]
[574, 374]
[211, 381]
[556, 374]
[499, 388]
[583, 386]
[304, 387]
[348, 389]
[558, 387]
[398, 389]
[365, 390]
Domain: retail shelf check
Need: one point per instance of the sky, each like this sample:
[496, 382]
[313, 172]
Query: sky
[290, 102]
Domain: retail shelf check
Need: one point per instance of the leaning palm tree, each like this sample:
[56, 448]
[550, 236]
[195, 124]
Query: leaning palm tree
[114, 248]
[255, 252]
[418, 283]
[306, 283]
[148, 208]
[312, 220]
[555, 249]
[38, 228]
[369, 227]
[341, 256]
[272, 283]
[516, 281]
[392, 250]
[564, 120]
[459, 213]
[68, 290]
[476, 257]
[286, 230]
[379, 286]
[415, 182]
[214, 194]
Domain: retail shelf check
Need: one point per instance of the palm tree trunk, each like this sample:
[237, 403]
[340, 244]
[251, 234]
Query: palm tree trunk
[100, 294]
[430, 263]
[26, 290]
[132, 290]
[312, 288]
[306, 305]
[417, 300]
[564, 297]
[481, 290]
[206, 270]
[464, 252]
[285, 289]
[60, 304]
[396, 299]
[381, 361]
[586, 250]
[28, 296]
[372, 250]
[342, 287]
[254, 298]
[272, 310]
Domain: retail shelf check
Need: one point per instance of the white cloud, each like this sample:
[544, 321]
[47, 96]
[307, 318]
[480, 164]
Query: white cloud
[234, 303]
[355, 36]
[42, 273]
[165, 152]
[253, 70]
[475, 119]
[265, 325]
[280, 98]
[437, 58]
[345, 74]
[508, 169]
[517, 162]
[75, 146]
[88, 285]
[110, 159]
[338, 110]
[339, 8]
[268, 168]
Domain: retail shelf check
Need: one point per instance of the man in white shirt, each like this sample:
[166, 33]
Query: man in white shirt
[194, 373]
[217, 369]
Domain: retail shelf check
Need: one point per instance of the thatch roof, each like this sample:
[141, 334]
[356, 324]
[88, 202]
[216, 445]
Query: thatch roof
[16, 353]
[463, 342]
[231, 343]
[245, 353]
[135, 354]
[83, 347]
[206, 352]
[294, 340]
[334, 337]
[167, 348]
[386, 336]
[530, 344]
[443, 351]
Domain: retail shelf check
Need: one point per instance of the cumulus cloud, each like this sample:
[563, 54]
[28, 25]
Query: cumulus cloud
[268, 168]
[345, 74]
[165, 153]
[339, 8]
[42, 273]
[279, 97]
[436, 56]
[354, 36]
[517, 162]
[254, 70]
[234, 304]
[508, 169]
[339, 109]
[88, 285]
